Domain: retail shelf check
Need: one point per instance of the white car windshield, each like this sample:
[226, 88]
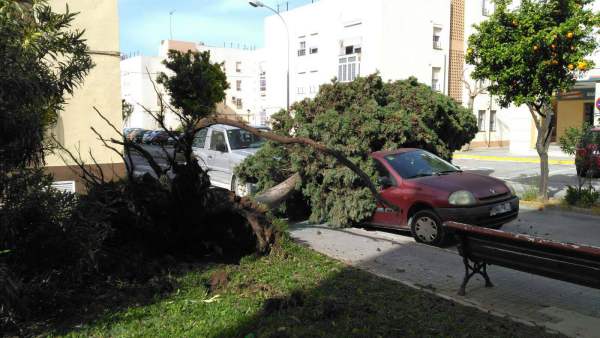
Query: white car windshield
[242, 139]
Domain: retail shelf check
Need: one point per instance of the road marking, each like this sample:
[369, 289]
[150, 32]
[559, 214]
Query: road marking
[509, 159]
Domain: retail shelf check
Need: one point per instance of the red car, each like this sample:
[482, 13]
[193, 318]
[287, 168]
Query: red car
[587, 158]
[431, 191]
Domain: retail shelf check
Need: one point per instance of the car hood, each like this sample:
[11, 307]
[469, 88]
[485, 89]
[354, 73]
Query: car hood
[480, 186]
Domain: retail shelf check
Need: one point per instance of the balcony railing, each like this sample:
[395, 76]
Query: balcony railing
[437, 44]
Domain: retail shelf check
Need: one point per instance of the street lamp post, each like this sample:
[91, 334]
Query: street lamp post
[261, 4]
[171, 24]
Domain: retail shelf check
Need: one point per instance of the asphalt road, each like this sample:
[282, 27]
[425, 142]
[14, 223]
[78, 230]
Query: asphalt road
[525, 175]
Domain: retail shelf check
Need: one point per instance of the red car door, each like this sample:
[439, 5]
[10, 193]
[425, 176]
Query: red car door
[383, 215]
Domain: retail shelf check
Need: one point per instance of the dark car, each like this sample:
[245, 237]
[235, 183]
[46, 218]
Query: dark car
[587, 158]
[431, 191]
[146, 136]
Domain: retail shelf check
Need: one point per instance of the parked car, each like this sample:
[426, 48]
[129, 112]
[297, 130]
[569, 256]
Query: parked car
[128, 131]
[136, 135]
[220, 149]
[587, 157]
[431, 191]
[145, 137]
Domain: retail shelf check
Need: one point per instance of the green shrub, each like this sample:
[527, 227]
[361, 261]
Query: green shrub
[584, 197]
[356, 118]
[44, 247]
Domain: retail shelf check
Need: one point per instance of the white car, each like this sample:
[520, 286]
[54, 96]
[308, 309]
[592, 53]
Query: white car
[220, 148]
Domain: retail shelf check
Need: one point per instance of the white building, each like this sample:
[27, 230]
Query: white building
[426, 39]
[243, 68]
[138, 82]
[344, 39]
[245, 96]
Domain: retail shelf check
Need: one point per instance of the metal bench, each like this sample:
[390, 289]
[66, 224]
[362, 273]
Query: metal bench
[479, 247]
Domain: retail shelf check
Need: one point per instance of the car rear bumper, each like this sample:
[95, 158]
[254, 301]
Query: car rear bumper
[480, 215]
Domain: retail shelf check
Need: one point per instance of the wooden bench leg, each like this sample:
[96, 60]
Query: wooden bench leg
[470, 271]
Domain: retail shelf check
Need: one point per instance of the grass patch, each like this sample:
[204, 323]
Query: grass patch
[295, 292]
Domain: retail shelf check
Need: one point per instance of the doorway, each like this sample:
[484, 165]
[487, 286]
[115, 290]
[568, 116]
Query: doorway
[588, 113]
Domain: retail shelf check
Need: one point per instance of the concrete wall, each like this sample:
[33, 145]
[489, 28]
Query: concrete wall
[102, 87]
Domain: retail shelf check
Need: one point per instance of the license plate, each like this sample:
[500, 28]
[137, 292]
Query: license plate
[500, 209]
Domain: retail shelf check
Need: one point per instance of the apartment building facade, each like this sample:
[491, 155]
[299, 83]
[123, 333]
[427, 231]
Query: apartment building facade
[101, 89]
[346, 39]
[244, 99]
[425, 39]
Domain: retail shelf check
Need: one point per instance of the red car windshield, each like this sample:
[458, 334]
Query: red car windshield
[419, 163]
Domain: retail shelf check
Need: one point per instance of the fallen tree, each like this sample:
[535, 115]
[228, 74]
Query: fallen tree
[353, 119]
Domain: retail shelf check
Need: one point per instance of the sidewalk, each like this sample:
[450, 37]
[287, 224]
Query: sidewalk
[556, 156]
[563, 307]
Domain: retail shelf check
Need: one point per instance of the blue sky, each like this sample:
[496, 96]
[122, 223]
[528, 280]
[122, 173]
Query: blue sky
[144, 23]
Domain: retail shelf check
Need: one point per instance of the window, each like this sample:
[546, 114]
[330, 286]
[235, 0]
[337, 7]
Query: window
[487, 7]
[437, 38]
[492, 120]
[419, 163]
[314, 50]
[241, 139]
[382, 172]
[313, 89]
[348, 68]
[263, 83]
[435, 79]
[302, 48]
[200, 138]
[300, 90]
[349, 50]
[238, 103]
[233, 99]
[217, 141]
[238, 67]
[238, 85]
[481, 120]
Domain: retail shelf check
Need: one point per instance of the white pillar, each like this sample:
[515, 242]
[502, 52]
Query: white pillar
[597, 106]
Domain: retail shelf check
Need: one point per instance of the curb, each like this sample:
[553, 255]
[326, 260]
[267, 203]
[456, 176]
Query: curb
[559, 207]
[510, 159]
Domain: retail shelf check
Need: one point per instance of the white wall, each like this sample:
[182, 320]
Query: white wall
[248, 75]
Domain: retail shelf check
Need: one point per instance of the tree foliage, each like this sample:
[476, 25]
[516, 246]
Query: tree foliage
[530, 54]
[41, 59]
[533, 52]
[356, 118]
[199, 84]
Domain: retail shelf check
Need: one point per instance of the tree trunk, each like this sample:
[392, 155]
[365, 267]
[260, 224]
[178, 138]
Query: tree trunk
[543, 123]
[274, 196]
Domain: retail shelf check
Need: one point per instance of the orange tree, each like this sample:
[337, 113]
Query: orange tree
[531, 53]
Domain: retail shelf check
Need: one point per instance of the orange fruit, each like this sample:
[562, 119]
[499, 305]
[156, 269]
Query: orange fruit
[582, 65]
[570, 35]
[571, 66]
